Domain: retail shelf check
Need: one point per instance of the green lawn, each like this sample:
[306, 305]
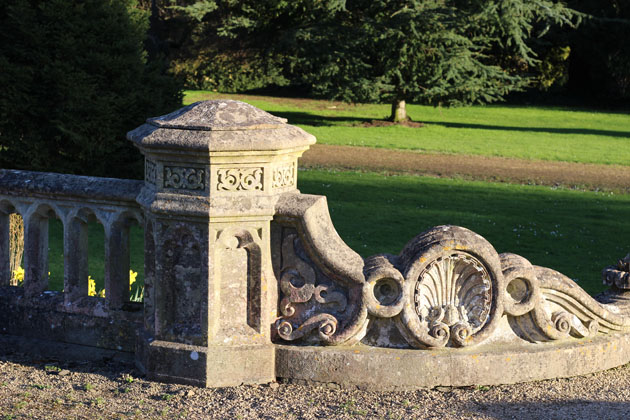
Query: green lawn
[96, 254]
[525, 132]
[575, 232]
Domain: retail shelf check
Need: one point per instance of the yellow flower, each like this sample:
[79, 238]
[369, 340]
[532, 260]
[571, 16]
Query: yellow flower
[132, 278]
[18, 274]
[91, 286]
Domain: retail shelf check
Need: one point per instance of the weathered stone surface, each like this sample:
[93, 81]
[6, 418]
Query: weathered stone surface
[46, 185]
[208, 221]
[88, 322]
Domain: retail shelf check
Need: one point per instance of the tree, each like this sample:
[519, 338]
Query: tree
[450, 52]
[600, 58]
[75, 78]
[429, 51]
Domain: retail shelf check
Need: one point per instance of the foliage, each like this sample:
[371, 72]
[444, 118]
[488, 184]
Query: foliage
[600, 63]
[430, 51]
[137, 296]
[234, 72]
[221, 45]
[75, 79]
[434, 52]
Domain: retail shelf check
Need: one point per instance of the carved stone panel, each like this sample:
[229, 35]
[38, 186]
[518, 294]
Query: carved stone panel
[181, 178]
[239, 179]
[182, 287]
[238, 280]
[313, 308]
[150, 171]
[284, 176]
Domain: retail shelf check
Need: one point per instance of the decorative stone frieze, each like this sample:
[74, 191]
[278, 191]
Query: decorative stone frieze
[240, 179]
[284, 176]
[181, 178]
[150, 172]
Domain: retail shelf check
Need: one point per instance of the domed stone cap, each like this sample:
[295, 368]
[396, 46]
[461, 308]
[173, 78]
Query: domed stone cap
[219, 125]
[224, 115]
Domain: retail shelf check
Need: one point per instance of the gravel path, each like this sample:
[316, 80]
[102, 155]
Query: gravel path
[49, 389]
[589, 176]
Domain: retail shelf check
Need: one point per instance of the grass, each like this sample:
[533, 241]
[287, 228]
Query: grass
[575, 232]
[523, 132]
[96, 254]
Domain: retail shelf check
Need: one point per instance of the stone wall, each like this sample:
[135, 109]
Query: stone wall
[247, 280]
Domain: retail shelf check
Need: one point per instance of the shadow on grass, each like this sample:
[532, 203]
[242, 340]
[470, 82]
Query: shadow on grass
[554, 130]
[569, 231]
[306, 118]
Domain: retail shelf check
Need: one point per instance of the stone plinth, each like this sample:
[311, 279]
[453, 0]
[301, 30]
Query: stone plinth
[213, 173]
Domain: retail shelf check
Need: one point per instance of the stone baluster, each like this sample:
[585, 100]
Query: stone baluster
[117, 264]
[5, 251]
[214, 171]
[75, 259]
[35, 253]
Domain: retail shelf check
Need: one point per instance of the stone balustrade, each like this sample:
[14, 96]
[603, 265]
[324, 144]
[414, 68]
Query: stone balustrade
[247, 280]
[75, 200]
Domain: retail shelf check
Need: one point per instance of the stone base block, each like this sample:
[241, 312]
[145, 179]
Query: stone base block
[384, 369]
[213, 366]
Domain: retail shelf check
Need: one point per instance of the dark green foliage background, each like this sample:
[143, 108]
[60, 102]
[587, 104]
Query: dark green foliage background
[75, 78]
[600, 51]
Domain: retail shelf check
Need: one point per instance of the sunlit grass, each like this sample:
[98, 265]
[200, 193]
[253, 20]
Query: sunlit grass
[524, 132]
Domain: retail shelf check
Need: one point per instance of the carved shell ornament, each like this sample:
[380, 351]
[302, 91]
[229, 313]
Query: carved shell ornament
[453, 295]
[453, 288]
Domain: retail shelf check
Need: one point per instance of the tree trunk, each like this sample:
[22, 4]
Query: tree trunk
[399, 112]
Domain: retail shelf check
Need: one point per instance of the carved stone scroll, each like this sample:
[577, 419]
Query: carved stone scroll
[284, 176]
[240, 179]
[184, 178]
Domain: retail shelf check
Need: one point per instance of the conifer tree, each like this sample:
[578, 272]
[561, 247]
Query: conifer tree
[449, 52]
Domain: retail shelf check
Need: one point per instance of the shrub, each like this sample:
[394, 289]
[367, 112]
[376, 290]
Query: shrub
[75, 79]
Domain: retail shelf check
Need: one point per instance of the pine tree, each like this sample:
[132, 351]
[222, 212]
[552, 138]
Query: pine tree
[442, 52]
[75, 78]
[430, 51]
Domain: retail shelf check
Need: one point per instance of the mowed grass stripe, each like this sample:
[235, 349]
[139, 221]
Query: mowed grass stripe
[575, 232]
[522, 132]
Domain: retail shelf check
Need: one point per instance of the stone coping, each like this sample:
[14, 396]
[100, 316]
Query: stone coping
[29, 183]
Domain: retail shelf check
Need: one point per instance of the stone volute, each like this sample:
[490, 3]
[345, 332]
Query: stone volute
[213, 173]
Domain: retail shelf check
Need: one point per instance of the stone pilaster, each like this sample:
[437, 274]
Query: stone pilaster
[213, 173]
